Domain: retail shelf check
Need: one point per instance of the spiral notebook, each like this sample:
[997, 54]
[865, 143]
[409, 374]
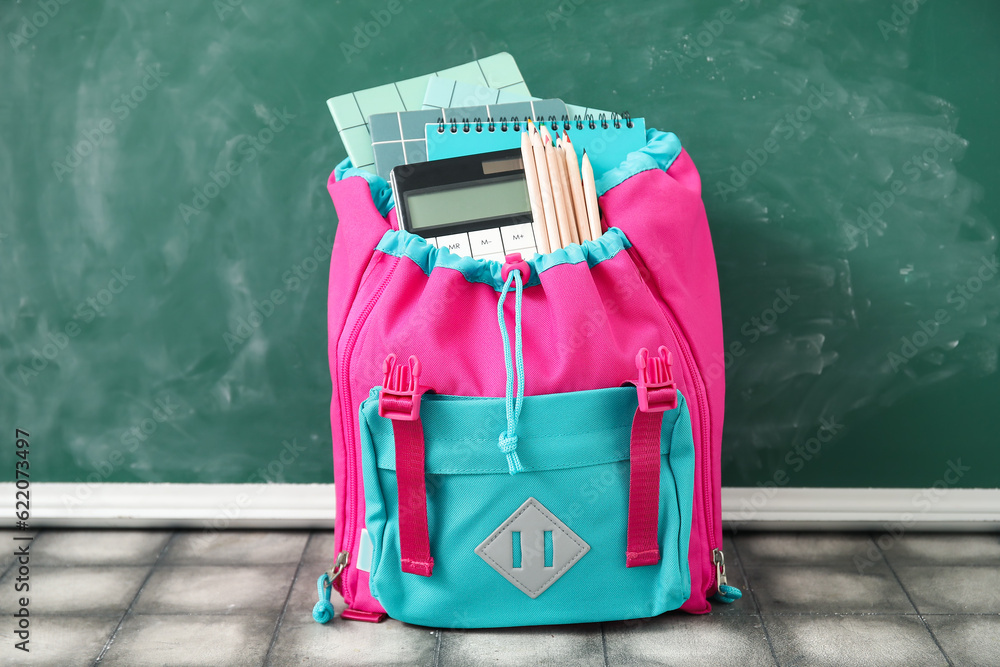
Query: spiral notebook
[607, 140]
[399, 137]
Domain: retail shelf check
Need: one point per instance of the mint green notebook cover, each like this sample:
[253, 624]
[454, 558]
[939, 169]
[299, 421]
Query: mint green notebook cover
[607, 148]
[351, 111]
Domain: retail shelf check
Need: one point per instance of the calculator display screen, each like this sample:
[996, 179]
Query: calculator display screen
[468, 201]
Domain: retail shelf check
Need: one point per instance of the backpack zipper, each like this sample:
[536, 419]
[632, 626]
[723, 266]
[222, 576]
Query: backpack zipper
[706, 446]
[348, 420]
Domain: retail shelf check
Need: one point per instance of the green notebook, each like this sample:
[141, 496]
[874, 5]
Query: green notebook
[607, 142]
[444, 93]
[351, 111]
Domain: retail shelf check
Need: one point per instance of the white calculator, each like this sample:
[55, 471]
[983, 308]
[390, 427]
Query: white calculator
[474, 205]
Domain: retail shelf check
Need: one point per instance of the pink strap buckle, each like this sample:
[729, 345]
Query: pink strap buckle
[399, 401]
[655, 385]
[401, 391]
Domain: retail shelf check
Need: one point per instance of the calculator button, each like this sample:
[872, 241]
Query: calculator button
[485, 242]
[432, 241]
[495, 257]
[517, 237]
[457, 243]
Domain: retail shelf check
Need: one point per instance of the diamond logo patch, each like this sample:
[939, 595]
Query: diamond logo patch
[532, 548]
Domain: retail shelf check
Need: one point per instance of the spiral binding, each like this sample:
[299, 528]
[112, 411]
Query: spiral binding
[503, 124]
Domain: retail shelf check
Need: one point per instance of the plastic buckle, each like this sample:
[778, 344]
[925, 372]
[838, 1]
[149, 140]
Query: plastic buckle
[513, 262]
[655, 385]
[401, 391]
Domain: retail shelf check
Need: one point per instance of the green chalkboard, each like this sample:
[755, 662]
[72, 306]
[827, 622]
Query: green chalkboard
[165, 226]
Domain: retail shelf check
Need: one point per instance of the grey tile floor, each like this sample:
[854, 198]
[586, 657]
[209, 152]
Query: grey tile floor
[245, 598]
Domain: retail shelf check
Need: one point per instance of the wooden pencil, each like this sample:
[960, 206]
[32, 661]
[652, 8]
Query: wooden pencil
[534, 195]
[545, 188]
[567, 192]
[576, 187]
[590, 192]
[552, 160]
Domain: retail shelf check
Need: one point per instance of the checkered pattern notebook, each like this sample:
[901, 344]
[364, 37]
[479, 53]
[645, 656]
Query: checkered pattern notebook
[443, 93]
[350, 112]
[399, 138]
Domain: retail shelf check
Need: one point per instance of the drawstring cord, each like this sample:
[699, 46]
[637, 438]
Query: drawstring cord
[508, 439]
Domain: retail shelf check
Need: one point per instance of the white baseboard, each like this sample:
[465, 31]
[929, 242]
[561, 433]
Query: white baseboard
[222, 506]
[205, 506]
[755, 508]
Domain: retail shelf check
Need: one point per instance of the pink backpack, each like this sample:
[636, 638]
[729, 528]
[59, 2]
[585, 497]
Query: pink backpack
[471, 495]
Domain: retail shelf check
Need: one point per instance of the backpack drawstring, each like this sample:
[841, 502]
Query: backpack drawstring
[508, 439]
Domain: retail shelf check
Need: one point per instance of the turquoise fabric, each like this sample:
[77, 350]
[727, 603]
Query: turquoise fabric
[660, 151]
[574, 450]
[401, 243]
[380, 188]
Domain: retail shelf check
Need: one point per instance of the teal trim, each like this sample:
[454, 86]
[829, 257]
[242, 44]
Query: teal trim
[401, 243]
[381, 190]
[660, 151]
[574, 448]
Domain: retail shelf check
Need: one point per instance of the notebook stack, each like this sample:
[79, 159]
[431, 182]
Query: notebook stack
[480, 167]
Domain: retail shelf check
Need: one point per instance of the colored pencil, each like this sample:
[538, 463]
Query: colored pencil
[552, 160]
[576, 187]
[534, 194]
[590, 192]
[545, 188]
[567, 192]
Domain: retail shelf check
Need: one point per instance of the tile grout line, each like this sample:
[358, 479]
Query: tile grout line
[437, 648]
[121, 621]
[907, 594]
[604, 646]
[756, 602]
[288, 597]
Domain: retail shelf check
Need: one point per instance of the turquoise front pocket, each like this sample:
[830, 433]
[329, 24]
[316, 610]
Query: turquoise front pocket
[544, 546]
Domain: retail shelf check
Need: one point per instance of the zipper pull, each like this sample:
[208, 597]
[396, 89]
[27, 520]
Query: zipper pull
[725, 593]
[323, 611]
[720, 566]
[340, 565]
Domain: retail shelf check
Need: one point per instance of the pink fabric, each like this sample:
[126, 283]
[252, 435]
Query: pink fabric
[663, 216]
[583, 328]
[643, 547]
[414, 537]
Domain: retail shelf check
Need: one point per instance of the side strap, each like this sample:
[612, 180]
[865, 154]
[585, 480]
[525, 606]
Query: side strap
[399, 401]
[414, 536]
[656, 393]
[644, 490]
